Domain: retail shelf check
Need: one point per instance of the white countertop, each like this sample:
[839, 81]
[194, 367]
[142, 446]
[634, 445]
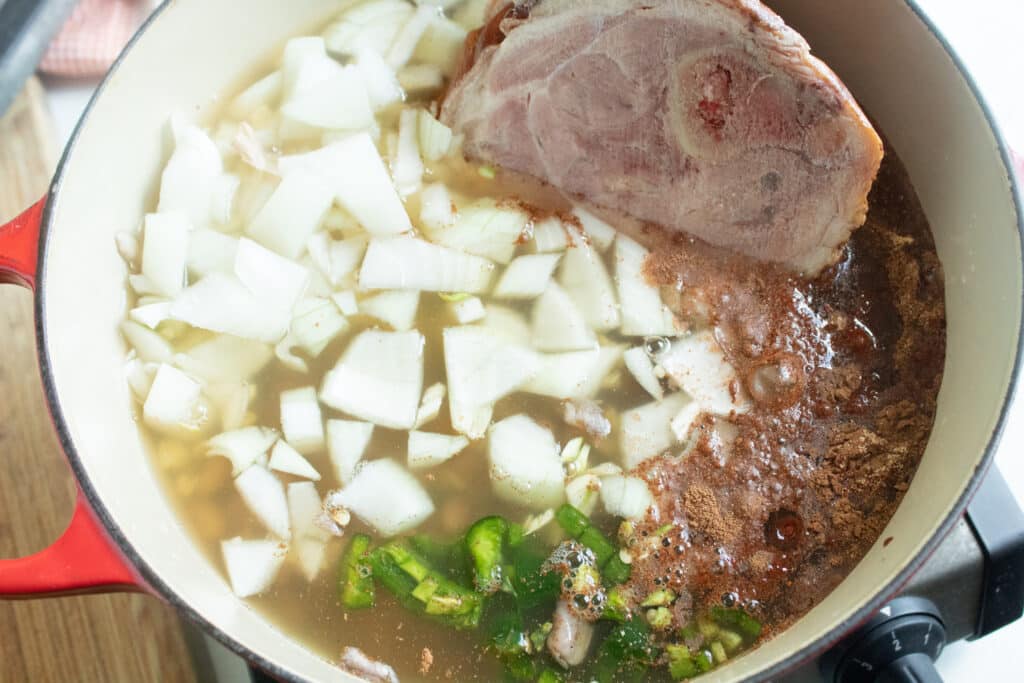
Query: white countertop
[987, 35]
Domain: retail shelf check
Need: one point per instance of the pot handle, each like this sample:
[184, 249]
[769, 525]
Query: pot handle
[83, 559]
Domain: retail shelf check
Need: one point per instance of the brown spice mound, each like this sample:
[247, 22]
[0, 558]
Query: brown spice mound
[704, 516]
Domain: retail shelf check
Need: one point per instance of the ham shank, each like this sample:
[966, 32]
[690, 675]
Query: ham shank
[709, 117]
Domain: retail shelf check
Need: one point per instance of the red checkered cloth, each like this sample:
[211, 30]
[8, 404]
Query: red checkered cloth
[92, 38]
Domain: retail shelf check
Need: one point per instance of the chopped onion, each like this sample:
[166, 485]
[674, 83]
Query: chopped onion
[328, 95]
[301, 422]
[586, 281]
[292, 214]
[221, 303]
[429, 450]
[550, 235]
[297, 52]
[173, 401]
[437, 211]
[346, 443]
[164, 251]
[467, 310]
[640, 366]
[525, 465]
[482, 367]
[379, 79]
[643, 313]
[407, 167]
[410, 263]
[140, 378]
[527, 276]
[645, 432]
[252, 565]
[576, 374]
[420, 78]
[210, 251]
[304, 506]
[242, 446]
[558, 325]
[508, 324]
[286, 459]
[628, 497]
[379, 378]
[534, 523]
[430, 404]
[409, 35]
[485, 229]
[311, 554]
[127, 246]
[264, 495]
[346, 302]
[336, 260]
[697, 365]
[142, 285]
[582, 492]
[435, 138]
[442, 44]
[384, 495]
[472, 14]
[368, 26]
[396, 308]
[231, 401]
[225, 358]
[276, 281]
[265, 92]
[355, 171]
[152, 314]
[151, 347]
[316, 323]
[684, 420]
[600, 233]
[190, 180]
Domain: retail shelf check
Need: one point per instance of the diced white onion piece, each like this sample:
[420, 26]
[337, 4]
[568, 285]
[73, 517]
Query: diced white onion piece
[225, 358]
[140, 378]
[472, 14]
[250, 149]
[407, 168]
[276, 281]
[427, 449]
[264, 92]
[301, 421]
[231, 401]
[346, 302]
[151, 347]
[600, 233]
[527, 276]
[435, 137]
[379, 79]
[420, 78]
[576, 374]
[151, 315]
[328, 95]
[222, 199]
[285, 352]
[645, 432]
[643, 313]
[297, 52]
[189, 181]
[582, 492]
[292, 214]
[508, 324]
[173, 401]
[386, 496]
[242, 446]
[409, 35]
[164, 251]
[346, 443]
[585, 279]
[697, 364]
[467, 310]
[304, 506]
[221, 303]
[252, 565]
[640, 366]
[368, 25]
[263, 494]
[286, 459]
[482, 367]
[436, 208]
[379, 378]
[442, 44]
[525, 465]
[549, 235]
[311, 554]
[316, 323]
[210, 251]
[397, 308]
[410, 263]
[336, 260]
[605, 469]
[628, 497]
[558, 325]
[430, 404]
[534, 523]
[142, 285]
[485, 229]
[684, 420]
[127, 246]
[362, 185]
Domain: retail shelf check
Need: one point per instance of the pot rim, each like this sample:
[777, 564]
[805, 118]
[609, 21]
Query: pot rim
[153, 579]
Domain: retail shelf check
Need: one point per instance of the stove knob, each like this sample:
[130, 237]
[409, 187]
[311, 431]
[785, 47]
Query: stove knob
[899, 644]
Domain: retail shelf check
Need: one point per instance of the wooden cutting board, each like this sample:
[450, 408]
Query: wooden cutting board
[131, 638]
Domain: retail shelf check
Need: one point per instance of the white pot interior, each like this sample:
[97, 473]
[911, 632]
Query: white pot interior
[896, 68]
